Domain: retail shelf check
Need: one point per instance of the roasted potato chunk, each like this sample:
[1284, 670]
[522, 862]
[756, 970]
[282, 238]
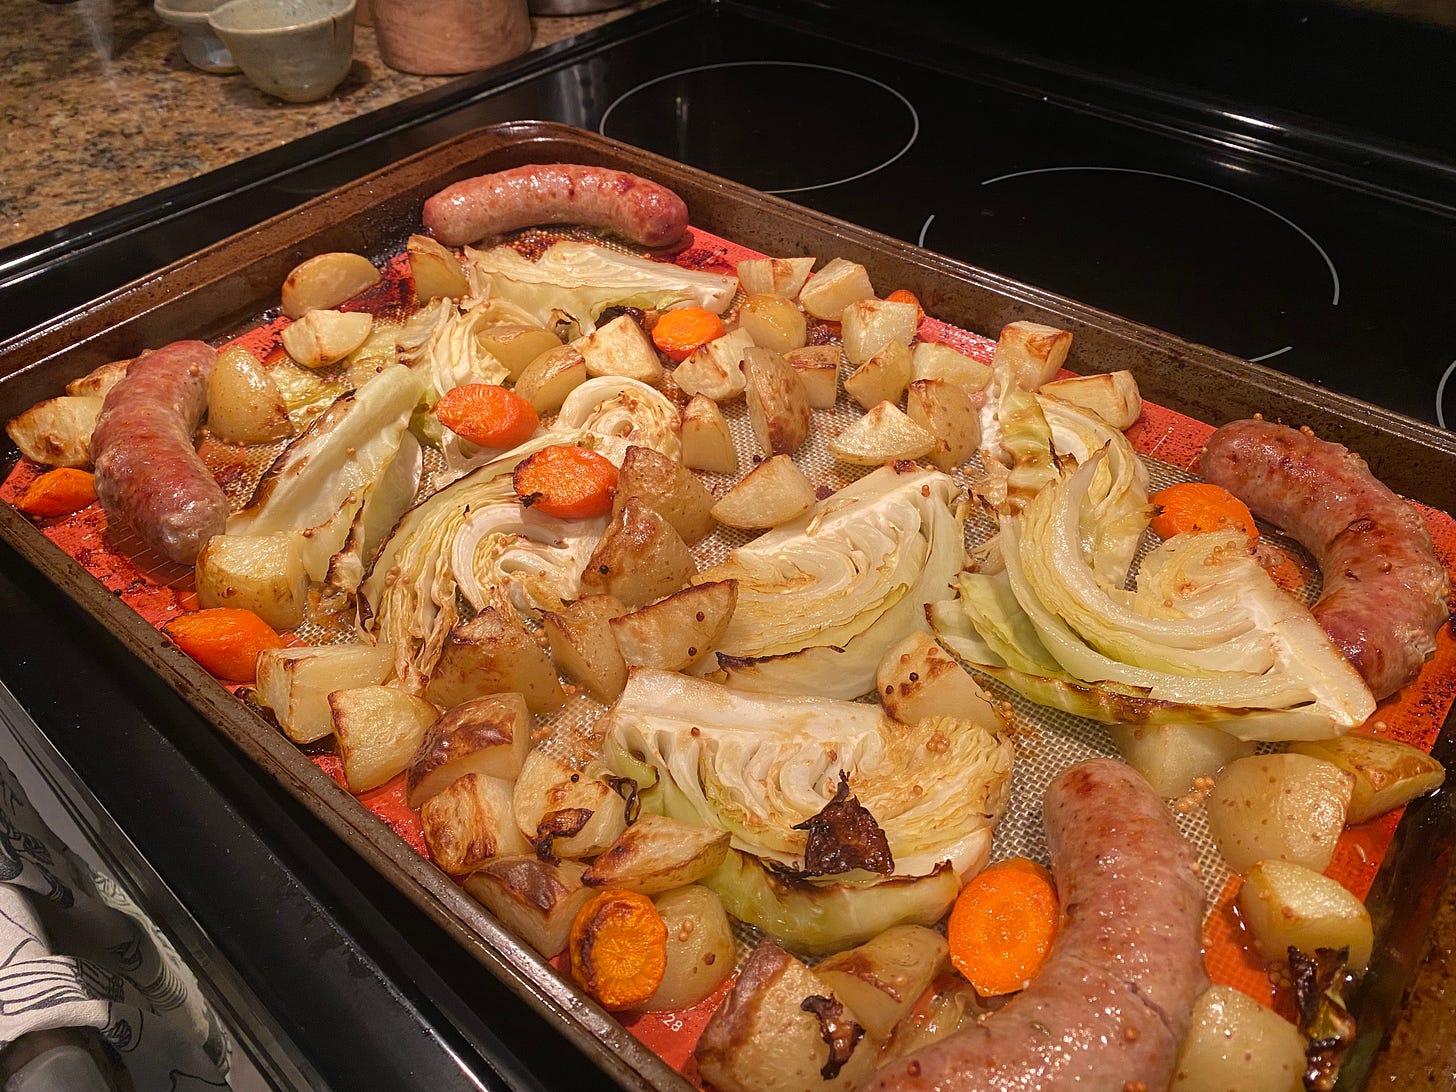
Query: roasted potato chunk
[97, 383]
[377, 729]
[621, 347]
[547, 380]
[715, 370]
[436, 271]
[767, 1037]
[706, 442]
[490, 736]
[321, 338]
[669, 489]
[883, 978]
[325, 281]
[656, 854]
[1286, 807]
[881, 378]
[1388, 774]
[1172, 756]
[469, 822]
[1236, 1043]
[868, 326]
[517, 346]
[782, 276]
[772, 493]
[493, 654]
[827, 293]
[936, 360]
[1112, 396]
[244, 404]
[295, 683]
[262, 573]
[57, 432]
[778, 405]
[773, 321]
[535, 899]
[1035, 353]
[1286, 905]
[639, 559]
[677, 632]
[700, 951]
[883, 435]
[917, 680]
[948, 412]
[563, 812]
[584, 648]
[818, 368]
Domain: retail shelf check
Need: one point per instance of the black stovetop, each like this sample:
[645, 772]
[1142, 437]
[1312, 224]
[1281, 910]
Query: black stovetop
[1319, 248]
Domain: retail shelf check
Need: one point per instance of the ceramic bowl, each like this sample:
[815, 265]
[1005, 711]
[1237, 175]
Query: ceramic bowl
[202, 48]
[297, 50]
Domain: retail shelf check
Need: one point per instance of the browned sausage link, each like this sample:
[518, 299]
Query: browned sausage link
[556, 193]
[1384, 594]
[1112, 1002]
[147, 471]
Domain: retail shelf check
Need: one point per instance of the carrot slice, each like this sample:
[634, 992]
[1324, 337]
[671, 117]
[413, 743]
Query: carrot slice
[1200, 506]
[224, 640]
[683, 329]
[566, 482]
[1002, 925]
[57, 492]
[904, 295]
[487, 415]
[618, 948]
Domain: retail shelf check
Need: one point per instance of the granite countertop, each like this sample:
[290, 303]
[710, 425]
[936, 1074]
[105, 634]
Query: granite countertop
[98, 107]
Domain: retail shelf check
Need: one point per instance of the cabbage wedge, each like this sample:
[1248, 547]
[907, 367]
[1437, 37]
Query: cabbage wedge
[822, 597]
[1206, 637]
[756, 765]
[568, 285]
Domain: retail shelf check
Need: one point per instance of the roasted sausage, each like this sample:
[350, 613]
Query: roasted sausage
[148, 473]
[1385, 593]
[1112, 1002]
[556, 193]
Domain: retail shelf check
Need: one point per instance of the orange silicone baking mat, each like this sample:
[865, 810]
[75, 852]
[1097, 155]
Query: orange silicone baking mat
[1047, 742]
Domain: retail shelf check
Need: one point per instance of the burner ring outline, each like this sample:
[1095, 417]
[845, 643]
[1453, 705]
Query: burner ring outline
[914, 114]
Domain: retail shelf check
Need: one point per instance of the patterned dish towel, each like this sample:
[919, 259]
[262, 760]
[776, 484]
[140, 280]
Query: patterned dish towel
[75, 951]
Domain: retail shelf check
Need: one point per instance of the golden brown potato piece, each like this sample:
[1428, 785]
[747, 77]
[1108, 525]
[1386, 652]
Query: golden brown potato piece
[656, 854]
[881, 378]
[1112, 396]
[493, 654]
[1235, 1042]
[700, 950]
[1288, 807]
[669, 489]
[517, 346]
[935, 360]
[778, 405]
[884, 434]
[621, 347]
[564, 812]
[57, 432]
[97, 383]
[1034, 352]
[818, 368]
[868, 326]
[773, 321]
[828, 292]
[782, 276]
[436, 270]
[377, 729]
[469, 822]
[706, 442]
[325, 281]
[948, 412]
[244, 404]
[639, 559]
[1172, 756]
[489, 736]
[295, 683]
[321, 338]
[534, 899]
[918, 680]
[677, 632]
[762, 1038]
[1388, 774]
[883, 978]
[715, 370]
[772, 493]
[1286, 905]
[260, 573]
[583, 646]
[547, 380]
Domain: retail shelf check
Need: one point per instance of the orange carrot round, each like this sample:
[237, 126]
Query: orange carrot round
[1199, 506]
[487, 415]
[566, 482]
[618, 948]
[904, 295]
[1002, 926]
[224, 640]
[683, 329]
[57, 492]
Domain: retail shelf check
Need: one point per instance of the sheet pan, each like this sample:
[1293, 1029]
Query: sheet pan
[228, 286]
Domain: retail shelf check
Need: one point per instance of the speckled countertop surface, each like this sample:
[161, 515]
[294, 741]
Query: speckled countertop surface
[98, 106]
